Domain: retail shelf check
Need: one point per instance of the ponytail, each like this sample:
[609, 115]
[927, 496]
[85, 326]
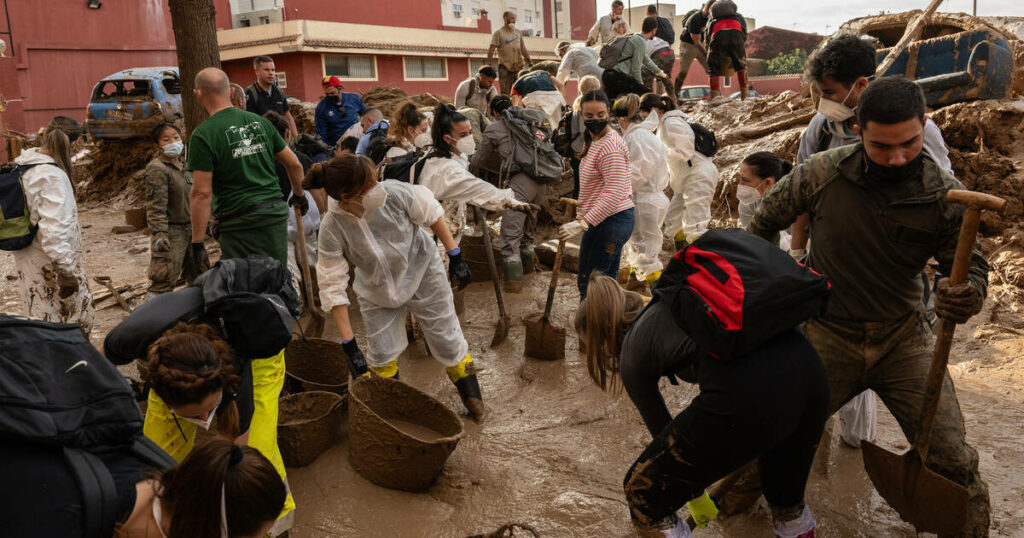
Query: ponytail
[445, 118]
[765, 164]
[627, 106]
[649, 101]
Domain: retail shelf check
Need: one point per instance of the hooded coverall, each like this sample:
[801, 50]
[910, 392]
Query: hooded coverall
[396, 269]
[694, 179]
[57, 246]
[649, 177]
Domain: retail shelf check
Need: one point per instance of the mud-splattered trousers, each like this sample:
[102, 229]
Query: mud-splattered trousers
[769, 405]
[40, 295]
[893, 359]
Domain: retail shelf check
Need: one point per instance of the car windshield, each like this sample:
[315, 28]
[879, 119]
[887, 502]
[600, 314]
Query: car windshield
[691, 93]
[121, 90]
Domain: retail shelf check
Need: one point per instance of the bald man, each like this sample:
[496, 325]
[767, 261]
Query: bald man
[231, 156]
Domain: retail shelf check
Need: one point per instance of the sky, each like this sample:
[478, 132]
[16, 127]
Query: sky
[825, 16]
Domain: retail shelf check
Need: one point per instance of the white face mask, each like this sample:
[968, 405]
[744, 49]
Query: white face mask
[747, 195]
[466, 146]
[174, 148]
[422, 140]
[375, 198]
[834, 111]
[204, 424]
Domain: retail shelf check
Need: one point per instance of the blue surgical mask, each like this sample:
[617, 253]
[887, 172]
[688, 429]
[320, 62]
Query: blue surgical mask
[174, 149]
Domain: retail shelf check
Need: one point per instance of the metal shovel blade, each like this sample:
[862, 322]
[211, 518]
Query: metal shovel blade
[501, 331]
[928, 501]
[544, 340]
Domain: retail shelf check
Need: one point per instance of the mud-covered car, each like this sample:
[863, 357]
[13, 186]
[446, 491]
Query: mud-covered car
[129, 103]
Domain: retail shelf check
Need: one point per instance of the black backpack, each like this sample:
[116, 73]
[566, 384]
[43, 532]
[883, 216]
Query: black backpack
[665, 30]
[704, 141]
[16, 228]
[312, 146]
[56, 389]
[532, 150]
[731, 291]
[563, 135]
[404, 167]
[377, 147]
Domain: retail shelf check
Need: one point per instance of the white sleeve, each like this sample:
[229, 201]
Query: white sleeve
[565, 68]
[595, 32]
[331, 268]
[935, 145]
[424, 209]
[461, 94]
[450, 181]
[48, 191]
[681, 135]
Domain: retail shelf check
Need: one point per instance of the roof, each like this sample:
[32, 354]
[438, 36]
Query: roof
[141, 73]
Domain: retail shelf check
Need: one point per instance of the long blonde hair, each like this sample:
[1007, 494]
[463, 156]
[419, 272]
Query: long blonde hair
[586, 84]
[57, 146]
[602, 320]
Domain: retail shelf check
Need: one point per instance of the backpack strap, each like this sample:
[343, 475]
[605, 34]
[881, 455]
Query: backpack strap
[151, 453]
[824, 139]
[99, 497]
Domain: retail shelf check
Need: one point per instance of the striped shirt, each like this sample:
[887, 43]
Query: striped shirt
[605, 187]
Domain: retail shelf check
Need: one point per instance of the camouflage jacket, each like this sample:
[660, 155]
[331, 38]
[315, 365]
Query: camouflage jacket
[167, 192]
[871, 239]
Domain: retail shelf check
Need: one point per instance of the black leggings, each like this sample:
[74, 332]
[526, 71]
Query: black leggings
[769, 405]
[616, 84]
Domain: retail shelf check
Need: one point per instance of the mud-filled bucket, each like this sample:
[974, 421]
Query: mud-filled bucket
[317, 364]
[399, 437]
[308, 424]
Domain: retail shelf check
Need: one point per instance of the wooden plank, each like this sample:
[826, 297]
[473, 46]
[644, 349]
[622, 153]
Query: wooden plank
[912, 32]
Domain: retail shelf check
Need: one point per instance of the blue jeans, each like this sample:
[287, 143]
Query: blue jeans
[601, 248]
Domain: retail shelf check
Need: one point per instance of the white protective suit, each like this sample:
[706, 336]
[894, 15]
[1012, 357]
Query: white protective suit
[454, 186]
[57, 244]
[694, 178]
[397, 269]
[550, 102]
[310, 226]
[650, 177]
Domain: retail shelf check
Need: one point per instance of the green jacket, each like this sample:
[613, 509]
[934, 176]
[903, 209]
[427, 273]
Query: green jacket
[634, 58]
[167, 195]
[871, 239]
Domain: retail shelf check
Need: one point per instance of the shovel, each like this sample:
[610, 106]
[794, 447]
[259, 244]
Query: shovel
[544, 340]
[501, 331]
[316, 322]
[923, 498]
[105, 281]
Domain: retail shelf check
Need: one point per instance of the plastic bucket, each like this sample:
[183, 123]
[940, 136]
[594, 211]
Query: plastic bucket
[399, 437]
[308, 424]
[317, 364]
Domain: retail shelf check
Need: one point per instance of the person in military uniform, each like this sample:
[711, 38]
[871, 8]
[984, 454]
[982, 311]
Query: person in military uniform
[167, 209]
[878, 213]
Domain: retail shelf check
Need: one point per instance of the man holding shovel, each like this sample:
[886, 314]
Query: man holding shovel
[878, 212]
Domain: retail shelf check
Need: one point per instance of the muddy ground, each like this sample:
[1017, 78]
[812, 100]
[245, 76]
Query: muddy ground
[554, 448]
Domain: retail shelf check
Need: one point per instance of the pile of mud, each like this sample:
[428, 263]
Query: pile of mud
[385, 98]
[113, 171]
[304, 114]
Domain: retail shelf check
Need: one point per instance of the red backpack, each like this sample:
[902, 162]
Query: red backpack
[731, 291]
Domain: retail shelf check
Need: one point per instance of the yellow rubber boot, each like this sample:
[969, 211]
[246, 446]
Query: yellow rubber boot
[389, 370]
[267, 382]
[652, 278]
[703, 510]
[463, 375]
[679, 240]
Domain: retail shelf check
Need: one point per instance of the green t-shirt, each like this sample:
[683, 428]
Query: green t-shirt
[239, 148]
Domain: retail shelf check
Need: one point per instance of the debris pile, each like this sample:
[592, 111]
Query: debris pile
[304, 114]
[113, 171]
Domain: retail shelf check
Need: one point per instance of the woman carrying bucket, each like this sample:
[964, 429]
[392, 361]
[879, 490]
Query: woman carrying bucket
[769, 405]
[222, 358]
[377, 228]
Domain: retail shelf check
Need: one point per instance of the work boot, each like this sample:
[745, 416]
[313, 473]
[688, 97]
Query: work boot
[389, 370]
[713, 94]
[526, 255]
[512, 271]
[744, 93]
[796, 522]
[464, 377]
[652, 278]
[679, 240]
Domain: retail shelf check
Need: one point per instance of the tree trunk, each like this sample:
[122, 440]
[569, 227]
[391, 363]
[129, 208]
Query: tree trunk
[195, 37]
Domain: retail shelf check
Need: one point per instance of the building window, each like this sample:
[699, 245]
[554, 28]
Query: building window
[527, 15]
[264, 20]
[514, 11]
[421, 67]
[457, 10]
[475, 64]
[282, 79]
[558, 6]
[349, 66]
[728, 81]
[475, 6]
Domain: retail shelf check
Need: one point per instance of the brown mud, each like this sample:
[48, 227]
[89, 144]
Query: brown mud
[553, 449]
[317, 364]
[308, 424]
[416, 431]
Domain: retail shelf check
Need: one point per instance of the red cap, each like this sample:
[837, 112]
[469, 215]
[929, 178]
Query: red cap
[332, 81]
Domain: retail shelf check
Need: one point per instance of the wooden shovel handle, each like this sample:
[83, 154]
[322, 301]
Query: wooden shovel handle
[569, 205]
[304, 262]
[975, 202]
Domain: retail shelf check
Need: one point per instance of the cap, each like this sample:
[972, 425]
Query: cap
[332, 81]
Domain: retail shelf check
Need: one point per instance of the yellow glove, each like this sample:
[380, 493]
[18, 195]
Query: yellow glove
[703, 510]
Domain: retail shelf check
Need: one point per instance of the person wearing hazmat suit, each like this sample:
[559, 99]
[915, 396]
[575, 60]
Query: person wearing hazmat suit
[649, 175]
[693, 177]
[377, 229]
